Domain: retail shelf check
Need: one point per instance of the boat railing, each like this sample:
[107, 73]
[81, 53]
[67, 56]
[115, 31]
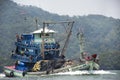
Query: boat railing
[23, 58]
[31, 46]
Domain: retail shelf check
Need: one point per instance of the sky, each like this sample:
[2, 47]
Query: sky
[109, 8]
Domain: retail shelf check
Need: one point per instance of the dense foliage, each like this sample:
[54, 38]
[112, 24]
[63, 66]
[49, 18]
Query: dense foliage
[102, 34]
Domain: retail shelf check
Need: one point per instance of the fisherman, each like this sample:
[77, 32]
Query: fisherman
[95, 57]
[86, 56]
[31, 58]
[21, 38]
[16, 64]
[17, 37]
[22, 52]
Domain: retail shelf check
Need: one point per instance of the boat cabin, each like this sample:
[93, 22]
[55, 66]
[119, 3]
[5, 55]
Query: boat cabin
[48, 35]
[29, 46]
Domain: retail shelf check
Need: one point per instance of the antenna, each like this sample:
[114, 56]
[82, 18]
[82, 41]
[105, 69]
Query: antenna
[36, 21]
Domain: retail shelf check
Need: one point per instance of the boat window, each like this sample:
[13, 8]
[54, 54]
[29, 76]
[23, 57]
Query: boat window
[30, 50]
[46, 34]
[40, 35]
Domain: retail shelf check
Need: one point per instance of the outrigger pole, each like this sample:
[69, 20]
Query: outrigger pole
[70, 25]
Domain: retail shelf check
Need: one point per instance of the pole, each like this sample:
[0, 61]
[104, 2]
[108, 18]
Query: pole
[43, 35]
[80, 36]
[68, 36]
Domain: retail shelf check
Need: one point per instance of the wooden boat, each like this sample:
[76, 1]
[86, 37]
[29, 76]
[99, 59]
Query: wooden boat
[38, 53]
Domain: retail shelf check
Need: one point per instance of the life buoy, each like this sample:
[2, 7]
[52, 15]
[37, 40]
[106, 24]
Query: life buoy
[11, 74]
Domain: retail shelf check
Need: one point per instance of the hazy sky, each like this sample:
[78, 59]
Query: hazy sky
[77, 7]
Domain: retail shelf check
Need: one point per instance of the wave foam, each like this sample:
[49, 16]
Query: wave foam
[85, 72]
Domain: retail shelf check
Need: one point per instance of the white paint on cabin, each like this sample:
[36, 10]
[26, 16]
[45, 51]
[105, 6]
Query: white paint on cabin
[48, 35]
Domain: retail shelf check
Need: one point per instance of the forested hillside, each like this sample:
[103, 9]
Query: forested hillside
[102, 34]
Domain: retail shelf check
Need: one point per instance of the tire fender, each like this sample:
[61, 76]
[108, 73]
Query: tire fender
[11, 74]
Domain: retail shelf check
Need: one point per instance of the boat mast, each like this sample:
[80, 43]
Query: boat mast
[69, 31]
[81, 39]
[43, 35]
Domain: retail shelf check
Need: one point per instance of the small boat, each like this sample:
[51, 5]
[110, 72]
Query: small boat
[38, 53]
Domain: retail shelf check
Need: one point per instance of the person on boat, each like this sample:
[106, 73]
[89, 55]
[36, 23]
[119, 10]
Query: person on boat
[17, 37]
[21, 37]
[22, 52]
[86, 56]
[95, 57]
[31, 58]
[16, 64]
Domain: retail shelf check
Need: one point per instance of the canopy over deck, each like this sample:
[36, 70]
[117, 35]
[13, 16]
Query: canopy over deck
[46, 31]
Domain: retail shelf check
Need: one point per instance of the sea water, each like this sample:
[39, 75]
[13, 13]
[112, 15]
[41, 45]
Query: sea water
[74, 75]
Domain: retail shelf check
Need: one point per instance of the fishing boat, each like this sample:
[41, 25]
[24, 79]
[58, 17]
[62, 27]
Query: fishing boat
[38, 53]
